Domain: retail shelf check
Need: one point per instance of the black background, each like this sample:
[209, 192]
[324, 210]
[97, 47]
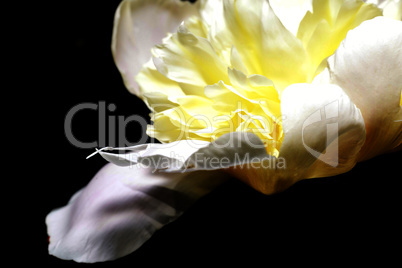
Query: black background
[353, 216]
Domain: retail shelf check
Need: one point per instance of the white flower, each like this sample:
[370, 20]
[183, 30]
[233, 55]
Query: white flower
[306, 89]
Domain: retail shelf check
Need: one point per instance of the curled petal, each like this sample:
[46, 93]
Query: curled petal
[120, 209]
[324, 132]
[367, 65]
[138, 26]
[324, 127]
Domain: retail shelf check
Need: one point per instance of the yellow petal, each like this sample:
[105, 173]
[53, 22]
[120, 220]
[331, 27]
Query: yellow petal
[230, 67]
[189, 60]
[323, 30]
[265, 46]
[158, 92]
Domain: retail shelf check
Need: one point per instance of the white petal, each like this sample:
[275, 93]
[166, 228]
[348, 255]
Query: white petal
[232, 149]
[120, 209]
[291, 12]
[324, 132]
[391, 8]
[368, 65]
[229, 150]
[157, 156]
[138, 26]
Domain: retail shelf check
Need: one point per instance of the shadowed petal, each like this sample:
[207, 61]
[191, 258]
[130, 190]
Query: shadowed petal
[120, 209]
[368, 65]
[324, 132]
[325, 128]
[140, 25]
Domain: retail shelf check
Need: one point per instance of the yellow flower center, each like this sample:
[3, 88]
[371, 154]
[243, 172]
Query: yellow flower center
[225, 71]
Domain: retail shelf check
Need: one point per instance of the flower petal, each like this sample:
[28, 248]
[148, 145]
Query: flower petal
[157, 156]
[291, 12]
[120, 209]
[391, 8]
[229, 150]
[368, 66]
[322, 30]
[256, 33]
[138, 26]
[189, 60]
[324, 132]
[157, 91]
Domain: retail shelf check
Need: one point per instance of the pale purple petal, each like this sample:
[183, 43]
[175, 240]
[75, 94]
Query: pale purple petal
[120, 209]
